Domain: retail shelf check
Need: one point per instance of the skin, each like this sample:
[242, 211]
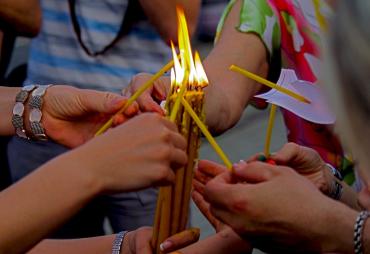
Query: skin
[21, 16]
[71, 116]
[233, 89]
[257, 215]
[137, 241]
[162, 14]
[148, 147]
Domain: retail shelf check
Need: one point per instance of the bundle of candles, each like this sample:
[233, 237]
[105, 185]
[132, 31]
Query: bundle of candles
[184, 107]
[186, 97]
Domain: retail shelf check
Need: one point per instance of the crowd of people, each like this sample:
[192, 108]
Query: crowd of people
[66, 180]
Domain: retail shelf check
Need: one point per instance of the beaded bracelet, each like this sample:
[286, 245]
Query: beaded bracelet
[358, 231]
[117, 243]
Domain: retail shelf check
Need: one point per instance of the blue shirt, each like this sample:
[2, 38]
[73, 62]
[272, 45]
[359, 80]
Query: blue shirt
[56, 56]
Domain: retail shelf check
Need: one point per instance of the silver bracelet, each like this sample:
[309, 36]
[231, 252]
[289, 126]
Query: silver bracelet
[117, 243]
[18, 110]
[35, 104]
[358, 231]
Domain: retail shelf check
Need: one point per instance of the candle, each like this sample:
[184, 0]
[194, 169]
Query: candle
[207, 134]
[136, 95]
[269, 130]
[269, 84]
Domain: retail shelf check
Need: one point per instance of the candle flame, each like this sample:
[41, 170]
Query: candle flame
[195, 72]
[201, 74]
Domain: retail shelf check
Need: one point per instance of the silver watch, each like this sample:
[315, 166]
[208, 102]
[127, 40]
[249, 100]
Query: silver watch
[35, 104]
[18, 110]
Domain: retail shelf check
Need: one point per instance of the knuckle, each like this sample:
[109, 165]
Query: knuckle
[164, 152]
[165, 135]
[162, 173]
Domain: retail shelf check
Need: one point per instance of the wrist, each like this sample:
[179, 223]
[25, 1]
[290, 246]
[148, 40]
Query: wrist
[81, 167]
[339, 222]
[7, 102]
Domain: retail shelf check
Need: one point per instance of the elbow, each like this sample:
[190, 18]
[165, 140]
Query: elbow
[227, 116]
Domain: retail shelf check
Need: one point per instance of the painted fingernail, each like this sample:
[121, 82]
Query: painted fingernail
[242, 162]
[165, 245]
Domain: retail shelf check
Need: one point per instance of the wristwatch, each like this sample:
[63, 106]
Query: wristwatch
[335, 172]
[35, 104]
[18, 110]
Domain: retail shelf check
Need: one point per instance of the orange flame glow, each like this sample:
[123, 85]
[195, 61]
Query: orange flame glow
[195, 72]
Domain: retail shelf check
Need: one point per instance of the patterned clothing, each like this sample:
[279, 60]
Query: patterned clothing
[290, 30]
[57, 57]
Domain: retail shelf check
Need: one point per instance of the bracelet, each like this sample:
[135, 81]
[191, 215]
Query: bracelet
[117, 243]
[18, 110]
[358, 230]
[35, 104]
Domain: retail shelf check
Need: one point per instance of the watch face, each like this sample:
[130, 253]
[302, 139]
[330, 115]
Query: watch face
[18, 109]
[28, 88]
[35, 115]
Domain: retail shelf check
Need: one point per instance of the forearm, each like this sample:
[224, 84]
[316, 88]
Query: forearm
[7, 100]
[98, 245]
[350, 197]
[229, 92]
[35, 206]
[21, 16]
[337, 229]
[162, 14]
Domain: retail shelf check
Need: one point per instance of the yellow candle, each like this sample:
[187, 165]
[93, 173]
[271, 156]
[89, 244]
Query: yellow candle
[136, 95]
[269, 129]
[207, 134]
[269, 83]
[180, 95]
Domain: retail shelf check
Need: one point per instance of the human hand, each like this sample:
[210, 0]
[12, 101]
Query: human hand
[71, 116]
[226, 241]
[204, 173]
[307, 162]
[150, 99]
[276, 209]
[139, 241]
[140, 153]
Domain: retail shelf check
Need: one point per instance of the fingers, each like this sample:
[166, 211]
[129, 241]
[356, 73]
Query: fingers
[143, 240]
[254, 172]
[147, 104]
[209, 168]
[288, 153]
[100, 102]
[178, 158]
[198, 186]
[204, 208]
[180, 240]
[145, 100]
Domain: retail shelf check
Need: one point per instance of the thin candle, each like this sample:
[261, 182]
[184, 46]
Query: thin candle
[207, 134]
[136, 95]
[269, 84]
[269, 129]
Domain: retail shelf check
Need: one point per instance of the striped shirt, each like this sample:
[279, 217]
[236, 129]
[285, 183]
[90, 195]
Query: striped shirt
[57, 57]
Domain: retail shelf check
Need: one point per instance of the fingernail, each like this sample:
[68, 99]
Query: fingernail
[165, 245]
[242, 162]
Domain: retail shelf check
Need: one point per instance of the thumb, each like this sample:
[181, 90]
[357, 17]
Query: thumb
[101, 102]
[254, 172]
